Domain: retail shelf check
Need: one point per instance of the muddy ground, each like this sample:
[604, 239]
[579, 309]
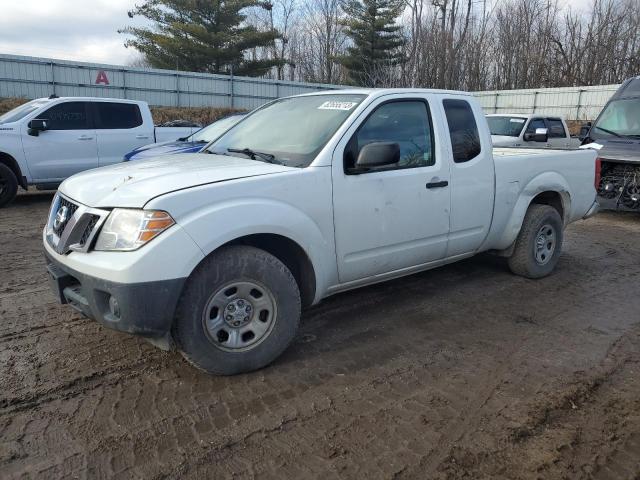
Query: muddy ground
[462, 372]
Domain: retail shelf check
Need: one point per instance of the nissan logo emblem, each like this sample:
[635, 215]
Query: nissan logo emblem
[61, 217]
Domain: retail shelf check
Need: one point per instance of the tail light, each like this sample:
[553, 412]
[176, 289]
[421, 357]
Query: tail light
[598, 172]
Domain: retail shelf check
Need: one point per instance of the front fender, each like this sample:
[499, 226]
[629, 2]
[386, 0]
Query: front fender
[224, 222]
[545, 182]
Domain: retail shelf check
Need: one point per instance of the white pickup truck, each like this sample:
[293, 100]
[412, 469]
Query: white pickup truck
[305, 197]
[44, 141]
[530, 130]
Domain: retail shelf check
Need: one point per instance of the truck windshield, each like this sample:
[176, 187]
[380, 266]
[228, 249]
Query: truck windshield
[22, 111]
[620, 118]
[213, 131]
[506, 126]
[291, 131]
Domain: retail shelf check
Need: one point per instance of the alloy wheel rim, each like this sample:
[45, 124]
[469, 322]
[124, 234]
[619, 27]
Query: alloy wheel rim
[545, 244]
[239, 316]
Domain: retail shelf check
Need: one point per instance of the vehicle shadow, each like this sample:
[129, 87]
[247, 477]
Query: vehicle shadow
[32, 197]
[393, 311]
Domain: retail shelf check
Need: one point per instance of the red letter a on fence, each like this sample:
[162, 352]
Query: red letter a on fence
[102, 78]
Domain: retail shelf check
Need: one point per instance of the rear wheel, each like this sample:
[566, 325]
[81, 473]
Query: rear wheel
[239, 311]
[539, 243]
[8, 185]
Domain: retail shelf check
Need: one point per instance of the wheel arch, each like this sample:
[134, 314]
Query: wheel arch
[561, 201]
[555, 195]
[288, 252]
[12, 163]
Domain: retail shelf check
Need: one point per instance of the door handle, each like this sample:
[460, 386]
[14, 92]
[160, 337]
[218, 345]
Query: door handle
[142, 137]
[438, 184]
[84, 137]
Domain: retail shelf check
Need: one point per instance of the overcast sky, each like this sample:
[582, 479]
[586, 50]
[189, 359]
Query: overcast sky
[84, 30]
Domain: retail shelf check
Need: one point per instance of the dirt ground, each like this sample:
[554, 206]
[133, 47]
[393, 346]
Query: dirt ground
[462, 372]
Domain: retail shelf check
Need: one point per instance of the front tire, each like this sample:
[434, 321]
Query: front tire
[539, 244]
[8, 185]
[239, 311]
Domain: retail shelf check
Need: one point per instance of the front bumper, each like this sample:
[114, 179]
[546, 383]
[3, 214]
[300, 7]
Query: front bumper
[145, 309]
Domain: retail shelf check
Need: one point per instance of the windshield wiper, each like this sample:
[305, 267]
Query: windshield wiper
[252, 154]
[610, 132]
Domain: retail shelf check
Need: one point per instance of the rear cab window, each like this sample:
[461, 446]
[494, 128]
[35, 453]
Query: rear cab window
[463, 130]
[114, 115]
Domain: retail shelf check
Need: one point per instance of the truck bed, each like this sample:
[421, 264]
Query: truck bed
[523, 173]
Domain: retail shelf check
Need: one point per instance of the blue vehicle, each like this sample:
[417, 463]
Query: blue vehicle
[191, 144]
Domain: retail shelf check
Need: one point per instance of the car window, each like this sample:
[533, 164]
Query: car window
[535, 124]
[506, 126]
[407, 123]
[67, 116]
[556, 128]
[112, 115]
[217, 128]
[463, 130]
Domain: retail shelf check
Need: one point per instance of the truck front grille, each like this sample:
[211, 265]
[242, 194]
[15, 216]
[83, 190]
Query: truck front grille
[72, 226]
[63, 214]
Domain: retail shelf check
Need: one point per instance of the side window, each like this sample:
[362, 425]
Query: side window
[407, 123]
[463, 130]
[556, 128]
[535, 124]
[111, 115]
[67, 116]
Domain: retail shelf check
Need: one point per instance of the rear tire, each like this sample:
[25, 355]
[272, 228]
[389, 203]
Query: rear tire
[239, 311]
[8, 185]
[539, 244]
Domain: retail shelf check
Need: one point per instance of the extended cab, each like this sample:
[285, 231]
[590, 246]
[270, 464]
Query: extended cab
[529, 130]
[306, 197]
[47, 140]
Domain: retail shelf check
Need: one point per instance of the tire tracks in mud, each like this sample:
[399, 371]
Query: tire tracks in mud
[458, 372]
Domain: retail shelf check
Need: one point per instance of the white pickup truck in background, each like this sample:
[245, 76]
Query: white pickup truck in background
[44, 141]
[306, 197]
[530, 130]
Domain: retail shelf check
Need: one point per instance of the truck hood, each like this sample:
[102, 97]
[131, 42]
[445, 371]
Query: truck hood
[133, 184]
[620, 149]
[504, 140]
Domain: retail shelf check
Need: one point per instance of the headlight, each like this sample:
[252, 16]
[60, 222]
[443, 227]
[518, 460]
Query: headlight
[128, 229]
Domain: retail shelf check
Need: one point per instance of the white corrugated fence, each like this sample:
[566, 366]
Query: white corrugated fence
[31, 77]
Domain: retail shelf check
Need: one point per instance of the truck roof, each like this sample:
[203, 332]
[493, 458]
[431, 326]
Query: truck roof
[524, 115]
[91, 99]
[630, 88]
[384, 91]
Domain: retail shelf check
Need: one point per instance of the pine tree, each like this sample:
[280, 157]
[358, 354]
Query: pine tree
[371, 26]
[201, 36]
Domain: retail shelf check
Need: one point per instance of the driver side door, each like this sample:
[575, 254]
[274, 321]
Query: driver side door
[68, 145]
[395, 217]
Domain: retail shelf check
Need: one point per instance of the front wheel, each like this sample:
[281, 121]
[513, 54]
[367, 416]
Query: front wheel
[8, 185]
[240, 310]
[539, 244]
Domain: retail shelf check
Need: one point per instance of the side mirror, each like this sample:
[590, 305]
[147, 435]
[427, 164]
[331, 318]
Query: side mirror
[36, 126]
[541, 136]
[378, 154]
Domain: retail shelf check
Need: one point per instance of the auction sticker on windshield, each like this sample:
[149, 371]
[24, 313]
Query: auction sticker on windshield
[516, 120]
[333, 105]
